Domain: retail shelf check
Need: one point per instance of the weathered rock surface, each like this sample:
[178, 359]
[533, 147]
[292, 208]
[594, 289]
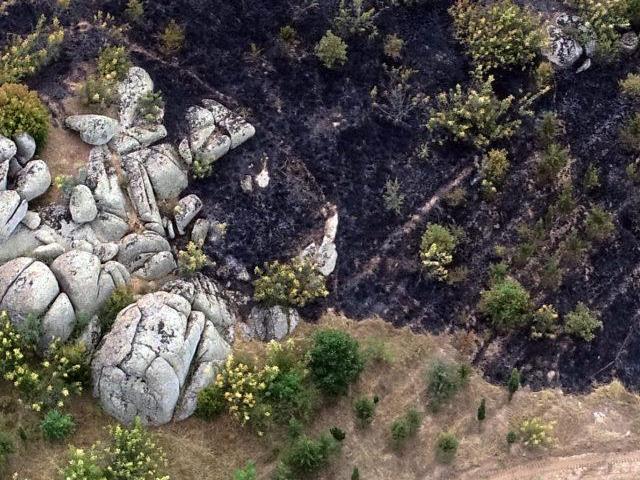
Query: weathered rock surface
[136, 249]
[26, 147]
[137, 84]
[186, 210]
[164, 169]
[7, 149]
[272, 323]
[12, 210]
[33, 180]
[93, 129]
[82, 205]
[136, 138]
[158, 355]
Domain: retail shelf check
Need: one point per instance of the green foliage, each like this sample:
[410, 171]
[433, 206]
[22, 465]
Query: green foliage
[548, 129]
[395, 99]
[307, 456]
[192, 259]
[211, 402]
[120, 298]
[22, 111]
[482, 410]
[135, 10]
[355, 474]
[604, 19]
[57, 426]
[335, 361]
[534, 432]
[365, 409]
[331, 50]
[444, 380]
[544, 323]
[287, 34]
[151, 107]
[591, 179]
[289, 396]
[99, 91]
[83, 465]
[599, 225]
[25, 56]
[31, 330]
[474, 115]
[446, 447]
[405, 427]
[295, 428]
[513, 383]
[507, 304]
[436, 250]
[630, 86]
[114, 63]
[630, 134]
[354, 19]
[65, 183]
[7, 447]
[393, 46]
[393, 197]
[500, 34]
[172, 39]
[291, 284]
[551, 162]
[582, 322]
[495, 165]
[512, 437]
[246, 473]
[338, 434]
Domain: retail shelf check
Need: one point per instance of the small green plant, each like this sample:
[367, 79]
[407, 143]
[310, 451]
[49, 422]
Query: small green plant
[437, 246]
[396, 99]
[292, 284]
[393, 46]
[495, 165]
[151, 107]
[331, 50]
[544, 76]
[604, 19]
[99, 92]
[512, 437]
[355, 474]
[630, 86]
[338, 434]
[582, 322]
[211, 403]
[7, 447]
[534, 432]
[335, 361]
[84, 465]
[172, 39]
[65, 183]
[405, 427]
[57, 426]
[500, 34]
[482, 410]
[444, 380]
[599, 226]
[548, 129]
[446, 447]
[630, 134]
[364, 409]
[287, 34]
[246, 473]
[354, 19]
[295, 428]
[544, 323]
[120, 298]
[307, 456]
[192, 259]
[135, 10]
[507, 304]
[21, 110]
[513, 383]
[551, 162]
[393, 197]
[114, 63]
[591, 179]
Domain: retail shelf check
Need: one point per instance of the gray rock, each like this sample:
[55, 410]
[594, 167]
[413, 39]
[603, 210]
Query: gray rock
[93, 129]
[216, 146]
[4, 174]
[200, 231]
[21, 243]
[137, 84]
[141, 190]
[12, 210]
[58, 322]
[236, 127]
[33, 180]
[136, 138]
[91, 334]
[272, 323]
[26, 147]
[106, 251]
[186, 210]
[109, 227]
[8, 149]
[201, 125]
[158, 266]
[32, 220]
[629, 42]
[144, 365]
[246, 183]
[185, 151]
[136, 249]
[164, 170]
[563, 51]
[48, 253]
[82, 205]
[105, 186]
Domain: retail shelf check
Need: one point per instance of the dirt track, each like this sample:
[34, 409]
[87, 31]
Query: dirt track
[588, 466]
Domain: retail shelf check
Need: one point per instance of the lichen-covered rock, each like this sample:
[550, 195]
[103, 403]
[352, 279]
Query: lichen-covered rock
[185, 211]
[136, 249]
[158, 266]
[200, 231]
[32, 220]
[141, 190]
[93, 129]
[236, 127]
[4, 174]
[109, 227]
[7, 149]
[105, 184]
[272, 323]
[158, 355]
[82, 205]
[12, 211]
[137, 84]
[164, 169]
[135, 138]
[33, 180]
[26, 147]
[563, 51]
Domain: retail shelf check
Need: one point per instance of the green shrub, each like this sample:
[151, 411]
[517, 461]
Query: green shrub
[482, 410]
[599, 225]
[365, 409]
[548, 129]
[551, 163]
[135, 10]
[507, 304]
[331, 50]
[534, 432]
[114, 63]
[57, 426]
[582, 322]
[405, 427]
[22, 111]
[630, 86]
[289, 396]
[474, 115]
[7, 447]
[393, 197]
[354, 19]
[307, 456]
[246, 473]
[355, 474]
[338, 434]
[513, 383]
[295, 428]
[495, 165]
[192, 259]
[446, 447]
[444, 380]
[151, 107]
[396, 97]
[83, 465]
[604, 18]
[292, 284]
[211, 402]
[335, 361]
[630, 134]
[99, 92]
[172, 39]
[591, 179]
[512, 437]
[498, 35]
[24, 56]
[544, 323]
[633, 13]
[436, 250]
[120, 298]
[393, 46]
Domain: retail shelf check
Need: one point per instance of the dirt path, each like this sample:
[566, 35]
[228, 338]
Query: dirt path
[588, 466]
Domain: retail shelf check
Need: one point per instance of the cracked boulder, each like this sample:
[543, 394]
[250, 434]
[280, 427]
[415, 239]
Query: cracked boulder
[93, 129]
[33, 180]
[136, 138]
[136, 85]
[185, 211]
[163, 168]
[12, 211]
[272, 323]
[82, 205]
[159, 354]
[139, 252]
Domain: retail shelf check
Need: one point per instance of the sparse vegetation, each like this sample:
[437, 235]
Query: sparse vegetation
[444, 381]
[331, 50]
[117, 301]
[21, 110]
[192, 259]
[507, 304]
[295, 283]
[446, 447]
[437, 246]
[405, 427]
[172, 39]
[582, 322]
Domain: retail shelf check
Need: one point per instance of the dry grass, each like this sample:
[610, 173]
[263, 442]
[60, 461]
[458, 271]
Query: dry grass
[604, 421]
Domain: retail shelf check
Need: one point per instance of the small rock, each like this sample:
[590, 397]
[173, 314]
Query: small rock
[246, 184]
[262, 179]
[158, 266]
[32, 220]
[48, 253]
[629, 42]
[4, 174]
[12, 210]
[272, 323]
[26, 147]
[563, 51]
[7, 149]
[137, 84]
[217, 233]
[33, 180]
[585, 66]
[200, 231]
[185, 151]
[106, 251]
[186, 210]
[93, 129]
[82, 205]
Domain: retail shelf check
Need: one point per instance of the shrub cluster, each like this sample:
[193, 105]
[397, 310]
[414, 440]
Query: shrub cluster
[365, 409]
[291, 284]
[22, 111]
[436, 250]
[172, 39]
[446, 447]
[354, 19]
[120, 298]
[100, 89]
[582, 322]
[534, 432]
[405, 427]
[507, 304]
[192, 259]
[56, 425]
[604, 18]
[306, 456]
[444, 380]
[331, 50]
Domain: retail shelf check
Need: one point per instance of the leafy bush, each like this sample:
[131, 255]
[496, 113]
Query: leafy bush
[446, 447]
[396, 99]
[99, 91]
[512, 437]
[474, 115]
[151, 107]
[289, 396]
[22, 111]
[393, 46]
[120, 298]
[135, 10]
[599, 225]
[331, 50]
[172, 39]
[482, 410]
[307, 456]
[495, 165]
[114, 63]
[355, 474]
[354, 19]
[292, 284]
[498, 35]
[513, 383]
[83, 465]
[7, 447]
[405, 427]
[211, 402]
[444, 380]
[24, 56]
[335, 361]
[544, 323]
[604, 17]
[506, 303]
[630, 134]
[246, 473]
[551, 162]
[582, 322]
[57, 426]
[364, 408]
[436, 250]
[534, 432]
[630, 86]
[192, 259]
[548, 129]
[337, 433]
[393, 197]
[591, 179]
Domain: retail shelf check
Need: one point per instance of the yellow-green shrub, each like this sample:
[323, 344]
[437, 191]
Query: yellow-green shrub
[291, 284]
[498, 35]
[22, 111]
[331, 50]
[114, 63]
[172, 38]
[193, 259]
[535, 432]
[604, 17]
[436, 250]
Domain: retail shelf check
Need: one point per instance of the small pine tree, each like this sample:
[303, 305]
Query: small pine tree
[482, 410]
[355, 475]
[513, 383]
